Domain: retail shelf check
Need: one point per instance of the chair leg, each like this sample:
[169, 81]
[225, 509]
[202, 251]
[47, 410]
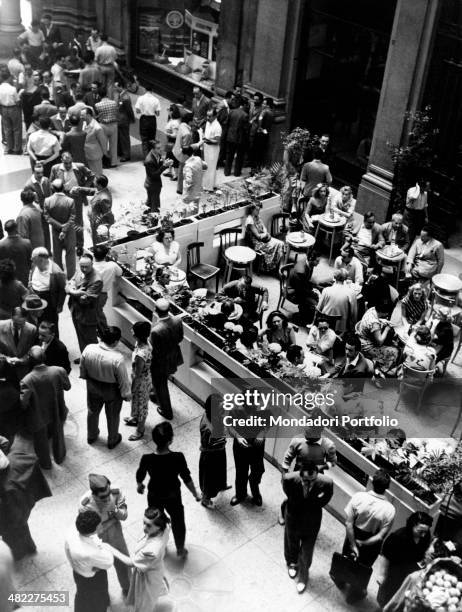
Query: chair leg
[217, 277]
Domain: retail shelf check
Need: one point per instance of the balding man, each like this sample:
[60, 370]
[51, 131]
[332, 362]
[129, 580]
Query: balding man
[59, 212]
[84, 293]
[42, 399]
[395, 231]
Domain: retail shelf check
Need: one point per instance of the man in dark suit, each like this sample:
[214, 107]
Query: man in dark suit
[42, 188]
[236, 138]
[59, 212]
[125, 117]
[223, 111]
[45, 108]
[74, 140]
[301, 290]
[200, 106]
[17, 249]
[52, 35]
[307, 493]
[93, 96]
[55, 351]
[84, 291]
[16, 338]
[154, 166]
[29, 220]
[42, 399]
[10, 409]
[166, 336]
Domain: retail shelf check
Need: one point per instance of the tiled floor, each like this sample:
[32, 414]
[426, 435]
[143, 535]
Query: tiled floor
[236, 558]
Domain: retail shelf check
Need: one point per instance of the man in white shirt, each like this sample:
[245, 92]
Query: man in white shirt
[416, 211]
[351, 264]
[35, 39]
[426, 256]
[90, 559]
[367, 239]
[147, 108]
[11, 115]
[369, 518]
[43, 146]
[109, 272]
[321, 338]
[211, 142]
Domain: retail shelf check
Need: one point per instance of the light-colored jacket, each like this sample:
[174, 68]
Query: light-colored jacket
[95, 142]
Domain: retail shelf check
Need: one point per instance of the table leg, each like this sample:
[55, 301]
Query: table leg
[332, 244]
[398, 273]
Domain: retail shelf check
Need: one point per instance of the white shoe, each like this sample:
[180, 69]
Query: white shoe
[292, 571]
[301, 586]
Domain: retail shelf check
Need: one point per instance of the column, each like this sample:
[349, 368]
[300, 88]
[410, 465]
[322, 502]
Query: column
[229, 40]
[10, 26]
[402, 88]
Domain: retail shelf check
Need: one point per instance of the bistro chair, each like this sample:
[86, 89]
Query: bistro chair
[280, 225]
[284, 272]
[230, 236]
[196, 269]
[415, 380]
[259, 295]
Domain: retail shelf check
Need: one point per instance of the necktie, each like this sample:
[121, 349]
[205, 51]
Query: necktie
[16, 336]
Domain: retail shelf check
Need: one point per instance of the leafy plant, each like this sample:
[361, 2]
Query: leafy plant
[414, 158]
[441, 470]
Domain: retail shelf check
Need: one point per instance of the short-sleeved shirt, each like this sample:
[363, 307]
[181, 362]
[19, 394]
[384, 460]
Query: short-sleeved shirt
[162, 257]
[370, 511]
[164, 471]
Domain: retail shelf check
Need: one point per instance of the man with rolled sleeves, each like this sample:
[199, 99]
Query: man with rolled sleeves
[110, 505]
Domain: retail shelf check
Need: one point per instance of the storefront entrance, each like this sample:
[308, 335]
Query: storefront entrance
[341, 62]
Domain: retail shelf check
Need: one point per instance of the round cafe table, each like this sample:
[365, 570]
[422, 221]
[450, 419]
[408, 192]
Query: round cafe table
[330, 227]
[238, 258]
[385, 258]
[177, 277]
[445, 289]
[298, 242]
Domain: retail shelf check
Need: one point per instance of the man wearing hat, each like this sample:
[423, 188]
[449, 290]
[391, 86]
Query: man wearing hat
[166, 335]
[110, 505]
[35, 306]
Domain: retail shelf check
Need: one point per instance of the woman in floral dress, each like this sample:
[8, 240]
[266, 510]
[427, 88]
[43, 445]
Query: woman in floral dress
[141, 379]
[261, 241]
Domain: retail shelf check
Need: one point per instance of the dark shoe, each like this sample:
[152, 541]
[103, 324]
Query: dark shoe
[46, 467]
[257, 500]
[163, 415]
[114, 444]
[182, 553]
[355, 596]
[131, 421]
[292, 570]
[91, 440]
[153, 398]
[125, 592]
[236, 500]
[77, 361]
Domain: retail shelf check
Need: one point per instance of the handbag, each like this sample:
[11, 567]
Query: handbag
[348, 570]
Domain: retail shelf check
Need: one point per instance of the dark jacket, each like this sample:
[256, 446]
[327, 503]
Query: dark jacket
[154, 168]
[234, 290]
[57, 287]
[30, 226]
[45, 109]
[19, 250]
[56, 354]
[238, 126]
[306, 513]
[84, 311]
[125, 114]
[402, 236]
[166, 336]
[42, 190]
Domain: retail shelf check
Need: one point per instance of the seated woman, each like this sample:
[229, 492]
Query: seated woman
[374, 332]
[166, 250]
[260, 239]
[279, 330]
[344, 204]
[316, 206]
[418, 354]
[378, 285]
[247, 340]
[415, 306]
[443, 338]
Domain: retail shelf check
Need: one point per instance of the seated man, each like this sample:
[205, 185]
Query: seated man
[395, 231]
[307, 363]
[351, 264]
[426, 256]
[321, 338]
[243, 292]
[354, 366]
[365, 238]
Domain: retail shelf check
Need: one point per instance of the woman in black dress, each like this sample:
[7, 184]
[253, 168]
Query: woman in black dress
[212, 461]
[403, 550]
[164, 489]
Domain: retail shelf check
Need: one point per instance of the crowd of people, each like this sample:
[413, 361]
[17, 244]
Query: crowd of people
[75, 128]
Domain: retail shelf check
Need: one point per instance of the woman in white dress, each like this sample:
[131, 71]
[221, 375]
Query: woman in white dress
[166, 250]
[211, 142]
[148, 581]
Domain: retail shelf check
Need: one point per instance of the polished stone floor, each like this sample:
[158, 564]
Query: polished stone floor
[236, 558]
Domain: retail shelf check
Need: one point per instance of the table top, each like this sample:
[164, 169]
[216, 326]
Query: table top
[177, 275]
[447, 282]
[300, 239]
[384, 254]
[326, 220]
[240, 254]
